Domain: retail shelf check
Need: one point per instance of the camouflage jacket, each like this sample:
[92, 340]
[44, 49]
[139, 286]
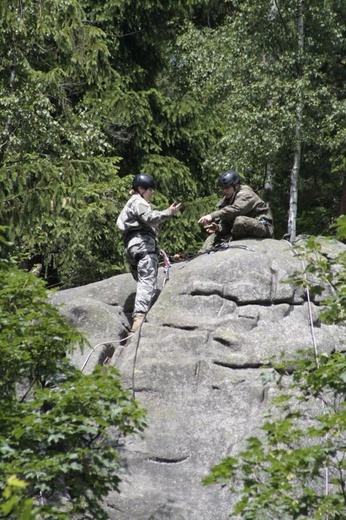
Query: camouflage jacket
[245, 202]
[137, 216]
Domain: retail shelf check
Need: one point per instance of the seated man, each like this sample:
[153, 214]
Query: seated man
[241, 213]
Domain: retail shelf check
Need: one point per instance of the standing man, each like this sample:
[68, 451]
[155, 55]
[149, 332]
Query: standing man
[139, 223]
[240, 213]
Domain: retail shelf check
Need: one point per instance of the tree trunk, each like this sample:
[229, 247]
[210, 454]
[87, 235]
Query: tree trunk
[292, 217]
[342, 206]
[8, 125]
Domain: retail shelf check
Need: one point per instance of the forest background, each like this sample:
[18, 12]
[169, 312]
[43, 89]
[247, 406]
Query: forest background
[94, 92]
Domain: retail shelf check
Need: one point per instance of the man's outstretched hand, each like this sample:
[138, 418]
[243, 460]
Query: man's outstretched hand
[206, 219]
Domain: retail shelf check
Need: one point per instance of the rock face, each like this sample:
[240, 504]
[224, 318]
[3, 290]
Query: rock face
[197, 367]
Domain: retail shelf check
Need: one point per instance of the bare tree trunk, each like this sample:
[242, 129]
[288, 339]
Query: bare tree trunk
[268, 180]
[268, 174]
[292, 217]
[342, 206]
[8, 125]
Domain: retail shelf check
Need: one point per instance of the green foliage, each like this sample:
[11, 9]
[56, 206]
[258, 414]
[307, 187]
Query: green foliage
[324, 276]
[341, 228]
[93, 92]
[54, 152]
[14, 503]
[55, 422]
[259, 84]
[88, 97]
[296, 467]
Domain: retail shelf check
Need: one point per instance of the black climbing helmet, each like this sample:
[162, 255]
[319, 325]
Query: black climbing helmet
[143, 180]
[229, 178]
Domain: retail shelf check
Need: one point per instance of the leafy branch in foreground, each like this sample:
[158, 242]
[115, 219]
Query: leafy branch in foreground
[296, 467]
[60, 430]
[15, 503]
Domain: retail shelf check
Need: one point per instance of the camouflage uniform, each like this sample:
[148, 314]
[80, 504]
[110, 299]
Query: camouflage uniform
[139, 222]
[244, 215]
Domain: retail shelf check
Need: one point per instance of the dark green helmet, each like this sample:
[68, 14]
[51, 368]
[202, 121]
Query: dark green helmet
[143, 180]
[229, 178]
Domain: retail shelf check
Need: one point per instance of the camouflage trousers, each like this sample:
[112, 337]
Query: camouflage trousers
[243, 227]
[142, 257]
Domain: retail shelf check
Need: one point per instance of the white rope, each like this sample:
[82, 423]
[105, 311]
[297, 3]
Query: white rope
[139, 332]
[110, 342]
[312, 330]
[166, 267]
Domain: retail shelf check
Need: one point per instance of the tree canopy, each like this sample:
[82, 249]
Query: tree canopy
[255, 72]
[93, 92]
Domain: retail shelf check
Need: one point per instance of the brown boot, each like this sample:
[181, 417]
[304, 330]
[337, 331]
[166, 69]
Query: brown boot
[137, 321]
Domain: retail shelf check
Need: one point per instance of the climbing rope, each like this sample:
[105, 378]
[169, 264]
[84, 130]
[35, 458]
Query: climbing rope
[221, 247]
[311, 323]
[166, 268]
[226, 245]
[135, 356]
[313, 338]
[109, 342]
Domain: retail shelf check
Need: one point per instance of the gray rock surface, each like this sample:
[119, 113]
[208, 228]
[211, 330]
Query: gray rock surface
[197, 367]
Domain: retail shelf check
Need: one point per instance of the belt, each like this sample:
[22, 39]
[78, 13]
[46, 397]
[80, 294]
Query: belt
[129, 234]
